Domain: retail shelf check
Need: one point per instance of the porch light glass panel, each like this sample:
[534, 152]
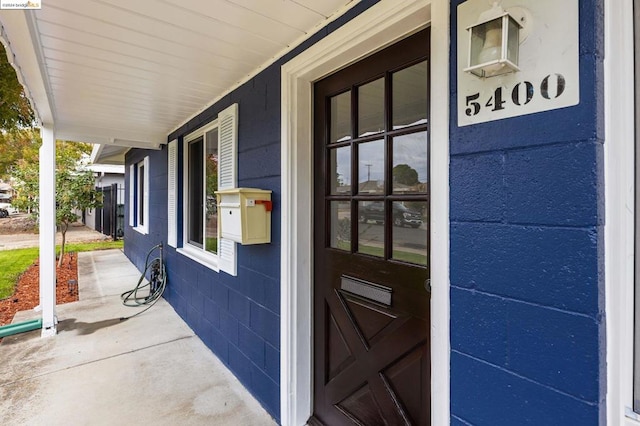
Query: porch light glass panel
[211, 185]
[410, 96]
[410, 227]
[494, 47]
[340, 118]
[196, 190]
[371, 218]
[371, 167]
[340, 170]
[371, 108]
[410, 163]
[340, 218]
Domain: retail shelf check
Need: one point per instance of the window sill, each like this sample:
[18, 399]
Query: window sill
[632, 415]
[141, 230]
[208, 260]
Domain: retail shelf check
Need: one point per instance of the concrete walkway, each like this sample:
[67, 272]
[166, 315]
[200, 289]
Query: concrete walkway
[99, 370]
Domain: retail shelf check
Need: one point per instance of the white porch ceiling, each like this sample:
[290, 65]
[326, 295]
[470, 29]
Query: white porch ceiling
[126, 73]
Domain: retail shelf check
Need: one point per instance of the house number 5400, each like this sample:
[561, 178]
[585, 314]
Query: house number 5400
[521, 94]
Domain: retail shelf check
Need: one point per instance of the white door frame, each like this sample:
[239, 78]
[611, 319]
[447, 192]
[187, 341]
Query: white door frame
[378, 27]
[619, 210]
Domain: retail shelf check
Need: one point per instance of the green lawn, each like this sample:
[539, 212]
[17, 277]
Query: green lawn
[15, 262]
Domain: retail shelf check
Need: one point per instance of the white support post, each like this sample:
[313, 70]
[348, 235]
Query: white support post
[47, 214]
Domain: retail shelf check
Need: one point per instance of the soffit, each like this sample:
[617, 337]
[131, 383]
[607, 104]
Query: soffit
[126, 73]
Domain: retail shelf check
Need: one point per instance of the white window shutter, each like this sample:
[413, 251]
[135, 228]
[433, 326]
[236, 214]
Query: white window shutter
[132, 191]
[172, 164]
[227, 178]
[227, 147]
[227, 256]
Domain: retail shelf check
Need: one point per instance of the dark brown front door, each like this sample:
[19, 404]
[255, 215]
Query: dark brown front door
[371, 245]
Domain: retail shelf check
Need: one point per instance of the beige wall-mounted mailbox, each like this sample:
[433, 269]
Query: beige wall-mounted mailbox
[244, 215]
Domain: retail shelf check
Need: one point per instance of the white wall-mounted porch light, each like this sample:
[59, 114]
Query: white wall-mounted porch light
[494, 43]
[529, 52]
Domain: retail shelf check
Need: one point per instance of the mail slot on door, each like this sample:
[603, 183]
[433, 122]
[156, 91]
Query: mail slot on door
[244, 215]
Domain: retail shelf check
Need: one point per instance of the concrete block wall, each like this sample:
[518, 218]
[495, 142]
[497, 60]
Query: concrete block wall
[237, 317]
[527, 285]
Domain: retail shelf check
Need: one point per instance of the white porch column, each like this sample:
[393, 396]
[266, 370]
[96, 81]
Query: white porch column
[47, 214]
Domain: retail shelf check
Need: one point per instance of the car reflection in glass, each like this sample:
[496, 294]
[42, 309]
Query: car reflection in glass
[402, 215]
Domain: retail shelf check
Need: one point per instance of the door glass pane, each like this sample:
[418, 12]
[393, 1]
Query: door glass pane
[340, 118]
[371, 108]
[410, 96]
[195, 193]
[371, 228]
[410, 226]
[211, 209]
[410, 163]
[340, 218]
[340, 170]
[371, 167]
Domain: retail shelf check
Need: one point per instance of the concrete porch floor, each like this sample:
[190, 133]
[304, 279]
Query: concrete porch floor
[98, 370]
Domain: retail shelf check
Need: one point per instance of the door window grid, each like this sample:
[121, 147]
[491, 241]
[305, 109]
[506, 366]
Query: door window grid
[376, 194]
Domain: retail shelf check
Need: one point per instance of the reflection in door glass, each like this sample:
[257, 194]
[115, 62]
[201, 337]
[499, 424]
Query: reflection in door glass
[371, 108]
[340, 118]
[340, 218]
[371, 228]
[371, 167]
[340, 170]
[410, 227]
[410, 96]
[410, 163]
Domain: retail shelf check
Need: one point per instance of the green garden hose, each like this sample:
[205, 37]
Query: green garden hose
[140, 295]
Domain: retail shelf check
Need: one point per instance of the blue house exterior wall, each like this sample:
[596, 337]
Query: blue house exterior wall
[238, 318]
[526, 257]
[527, 287]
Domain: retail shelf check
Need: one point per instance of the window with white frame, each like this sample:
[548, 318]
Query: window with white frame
[209, 164]
[139, 196]
[201, 182]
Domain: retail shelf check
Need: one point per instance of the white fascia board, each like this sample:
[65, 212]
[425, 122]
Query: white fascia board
[18, 34]
[95, 152]
[110, 136]
[106, 168]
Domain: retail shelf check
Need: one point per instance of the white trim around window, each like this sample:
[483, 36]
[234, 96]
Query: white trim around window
[139, 196]
[132, 191]
[211, 146]
[194, 196]
[380, 26]
[172, 193]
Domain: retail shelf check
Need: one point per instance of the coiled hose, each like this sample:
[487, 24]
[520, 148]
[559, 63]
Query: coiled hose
[157, 283]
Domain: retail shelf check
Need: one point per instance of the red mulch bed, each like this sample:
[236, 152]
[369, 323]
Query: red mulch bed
[27, 294]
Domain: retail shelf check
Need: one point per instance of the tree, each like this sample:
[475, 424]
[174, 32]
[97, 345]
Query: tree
[405, 174]
[16, 145]
[15, 110]
[75, 188]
